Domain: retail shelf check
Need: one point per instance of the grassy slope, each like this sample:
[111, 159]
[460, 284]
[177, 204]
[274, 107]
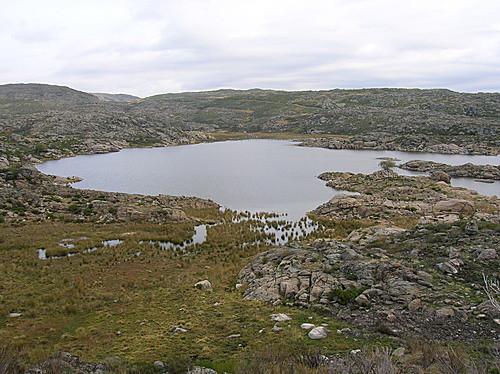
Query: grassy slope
[80, 304]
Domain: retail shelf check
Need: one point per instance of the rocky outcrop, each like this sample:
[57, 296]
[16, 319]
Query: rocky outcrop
[386, 197]
[404, 281]
[468, 170]
[28, 195]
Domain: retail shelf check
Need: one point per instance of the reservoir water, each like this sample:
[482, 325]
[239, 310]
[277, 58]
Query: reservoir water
[254, 175]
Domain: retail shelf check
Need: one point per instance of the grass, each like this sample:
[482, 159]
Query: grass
[285, 135]
[114, 303]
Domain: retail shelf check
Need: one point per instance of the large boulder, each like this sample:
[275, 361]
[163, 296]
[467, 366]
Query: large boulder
[458, 206]
[317, 333]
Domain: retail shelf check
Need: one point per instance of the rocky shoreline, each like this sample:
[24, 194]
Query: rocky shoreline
[27, 195]
[407, 143]
[423, 280]
[484, 172]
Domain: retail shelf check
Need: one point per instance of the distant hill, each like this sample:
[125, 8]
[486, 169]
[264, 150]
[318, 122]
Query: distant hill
[45, 92]
[406, 119]
[117, 98]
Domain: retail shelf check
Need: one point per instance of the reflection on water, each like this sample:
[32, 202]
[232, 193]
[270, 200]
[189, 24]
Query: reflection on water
[72, 250]
[199, 237]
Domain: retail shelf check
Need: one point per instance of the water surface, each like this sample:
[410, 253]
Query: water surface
[253, 175]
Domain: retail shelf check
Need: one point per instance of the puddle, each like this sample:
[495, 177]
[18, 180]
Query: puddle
[67, 243]
[199, 237]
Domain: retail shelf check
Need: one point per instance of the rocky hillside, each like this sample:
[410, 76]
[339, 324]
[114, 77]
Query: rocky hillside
[44, 93]
[448, 117]
[399, 119]
[42, 121]
[120, 98]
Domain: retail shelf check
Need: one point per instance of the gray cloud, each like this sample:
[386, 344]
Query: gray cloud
[156, 46]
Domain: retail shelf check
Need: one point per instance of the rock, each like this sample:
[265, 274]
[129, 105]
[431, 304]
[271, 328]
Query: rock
[14, 315]
[440, 176]
[415, 305]
[391, 317]
[458, 206]
[307, 326]
[445, 312]
[159, 365]
[487, 254]
[4, 163]
[280, 317]
[179, 330]
[238, 286]
[448, 267]
[204, 285]
[276, 328]
[318, 333]
[362, 300]
[201, 370]
[488, 308]
[471, 228]
[234, 336]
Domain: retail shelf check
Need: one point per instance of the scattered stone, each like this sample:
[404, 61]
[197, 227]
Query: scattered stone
[14, 315]
[276, 328]
[318, 333]
[204, 285]
[159, 365]
[201, 370]
[234, 336]
[307, 326]
[179, 330]
[445, 312]
[415, 305]
[487, 254]
[362, 300]
[280, 317]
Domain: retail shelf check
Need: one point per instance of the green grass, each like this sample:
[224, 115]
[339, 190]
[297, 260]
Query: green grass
[113, 303]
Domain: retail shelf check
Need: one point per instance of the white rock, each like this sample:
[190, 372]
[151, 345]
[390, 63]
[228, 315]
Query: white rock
[179, 330]
[318, 333]
[280, 317]
[201, 370]
[14, 315]
[355, 351]
[276, 328]
[234, 336]
[204, 285]
[307, 326]
[159, 365]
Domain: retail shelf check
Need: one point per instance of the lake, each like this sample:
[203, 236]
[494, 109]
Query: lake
[254, 175]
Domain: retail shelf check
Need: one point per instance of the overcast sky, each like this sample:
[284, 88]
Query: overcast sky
[144, 47]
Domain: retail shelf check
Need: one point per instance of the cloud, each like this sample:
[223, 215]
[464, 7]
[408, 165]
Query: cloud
[156, 46]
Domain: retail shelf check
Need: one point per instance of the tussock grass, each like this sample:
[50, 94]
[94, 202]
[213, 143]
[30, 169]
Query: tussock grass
[113, 302]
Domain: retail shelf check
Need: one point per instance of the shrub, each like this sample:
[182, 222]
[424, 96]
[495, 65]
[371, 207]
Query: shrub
[345, 296]
[387, 164]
